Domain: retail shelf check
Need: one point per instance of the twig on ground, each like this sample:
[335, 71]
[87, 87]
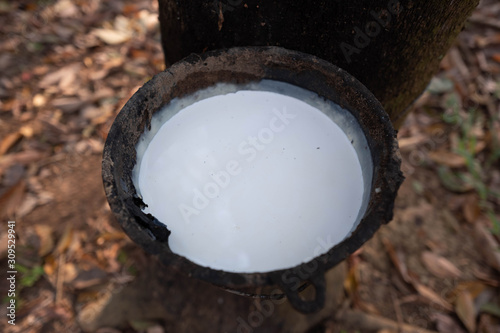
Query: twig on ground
[397, 310]
[363, 321]
[60, 278]
[479, 19]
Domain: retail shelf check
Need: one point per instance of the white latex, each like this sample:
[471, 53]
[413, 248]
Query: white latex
[251, 181]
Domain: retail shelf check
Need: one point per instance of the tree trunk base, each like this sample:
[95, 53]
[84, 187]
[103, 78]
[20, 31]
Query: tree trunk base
[162, 295]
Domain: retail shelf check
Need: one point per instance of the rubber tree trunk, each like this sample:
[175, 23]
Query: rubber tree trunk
[393, 47]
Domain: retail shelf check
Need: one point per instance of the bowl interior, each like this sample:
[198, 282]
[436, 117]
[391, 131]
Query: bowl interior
[242, 66]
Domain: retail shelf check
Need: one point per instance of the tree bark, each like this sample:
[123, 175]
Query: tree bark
[393, 47]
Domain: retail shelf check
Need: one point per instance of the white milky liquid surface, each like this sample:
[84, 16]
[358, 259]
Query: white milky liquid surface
[252, 181]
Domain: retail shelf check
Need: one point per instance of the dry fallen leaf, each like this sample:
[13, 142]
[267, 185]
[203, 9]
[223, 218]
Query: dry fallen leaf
[44, 233]
[4, 238]
[111, 236]
[89, 278]
[33, 200]
[447, 158]
[110, 255]
[66, 9]
[487, 246]
[464, 307]
[474, 288]
[439, 266]
[129, 9]
[27, 206]
[27, 131]
[407, 144]
[430, 295]
[23, 158]
[11, 200]
[471, 209]
[445, 323]
[487, 324]
[65, 240]
[112, 37]
[221, 17]
[70, 272]
[8, 141]
[62, 77]
[486, 278]
[366, 307]
[397, 258]
[483, 41]
[155, 329]
[351, 281]
[450, 220]
[69, 104]
[135, 53]
[50, 267]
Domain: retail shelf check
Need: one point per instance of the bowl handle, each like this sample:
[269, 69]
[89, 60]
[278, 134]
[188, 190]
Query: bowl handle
[317, 281]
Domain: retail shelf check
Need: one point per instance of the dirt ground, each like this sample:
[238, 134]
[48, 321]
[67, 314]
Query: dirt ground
[67, 68]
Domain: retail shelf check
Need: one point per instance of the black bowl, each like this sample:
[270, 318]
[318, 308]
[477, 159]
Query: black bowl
[240, 66]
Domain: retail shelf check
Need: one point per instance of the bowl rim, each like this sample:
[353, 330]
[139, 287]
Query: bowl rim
[243, 65]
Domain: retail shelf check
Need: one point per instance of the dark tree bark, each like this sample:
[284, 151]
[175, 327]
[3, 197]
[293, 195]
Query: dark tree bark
[393, 47]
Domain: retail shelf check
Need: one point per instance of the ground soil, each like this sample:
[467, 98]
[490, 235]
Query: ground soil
[67, 70]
